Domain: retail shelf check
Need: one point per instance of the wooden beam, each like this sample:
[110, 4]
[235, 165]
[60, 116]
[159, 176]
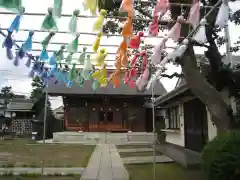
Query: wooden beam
[181, 101]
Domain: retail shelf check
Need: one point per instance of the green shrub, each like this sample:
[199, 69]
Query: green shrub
[221, 157]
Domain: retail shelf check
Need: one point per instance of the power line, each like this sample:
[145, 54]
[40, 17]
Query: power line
[87, 52]
[80, 44]
[83, 33]
[63, 43]
[83, 16]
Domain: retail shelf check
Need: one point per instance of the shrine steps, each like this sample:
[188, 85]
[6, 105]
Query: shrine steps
[102, 137]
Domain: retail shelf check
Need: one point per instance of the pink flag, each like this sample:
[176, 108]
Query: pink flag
[194, 14]
[142, 80]
[157, 51]
[161, 7]
[175, 31]
[136, 41]
[153, 29]
[144, 57]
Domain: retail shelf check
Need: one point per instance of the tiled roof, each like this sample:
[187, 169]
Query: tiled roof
[20, 104]
[109, 90]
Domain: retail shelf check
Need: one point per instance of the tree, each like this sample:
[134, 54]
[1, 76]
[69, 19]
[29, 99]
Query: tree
[38, 96]
[6, 91]
[207, 84]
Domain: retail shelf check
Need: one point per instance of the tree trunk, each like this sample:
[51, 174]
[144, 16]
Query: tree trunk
[203, 90]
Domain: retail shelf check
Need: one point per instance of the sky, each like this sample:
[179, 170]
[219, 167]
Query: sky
[18, 78]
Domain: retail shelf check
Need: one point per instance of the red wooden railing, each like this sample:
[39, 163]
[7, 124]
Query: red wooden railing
[106, 127]
[75, 127]
[98, 127]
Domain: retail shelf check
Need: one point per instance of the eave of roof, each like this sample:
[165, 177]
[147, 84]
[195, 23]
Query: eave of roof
[171, 94]
[61, 89]
[19, 110]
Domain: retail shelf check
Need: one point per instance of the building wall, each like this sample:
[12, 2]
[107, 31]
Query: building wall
[22, 126]
[212, 130]
[128, 114]
[176, 136]
[2, 111]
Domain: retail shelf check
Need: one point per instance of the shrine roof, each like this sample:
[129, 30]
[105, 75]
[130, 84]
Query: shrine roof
[123, 89]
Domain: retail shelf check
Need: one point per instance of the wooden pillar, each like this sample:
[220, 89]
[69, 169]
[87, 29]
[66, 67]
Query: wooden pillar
[66, 116]
[87, 116]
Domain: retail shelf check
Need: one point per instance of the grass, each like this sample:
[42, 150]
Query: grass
[139, 154]
[170, 171]
[26, 153]
[41, 178]
[132, 146]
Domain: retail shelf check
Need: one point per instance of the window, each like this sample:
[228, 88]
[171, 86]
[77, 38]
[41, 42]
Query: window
[109, 116]
[101, 117]
[76, 115]
[173, 118]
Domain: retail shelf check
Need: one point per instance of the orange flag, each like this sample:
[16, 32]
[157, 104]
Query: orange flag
[127, 30]
[127, 6]
[116, 78]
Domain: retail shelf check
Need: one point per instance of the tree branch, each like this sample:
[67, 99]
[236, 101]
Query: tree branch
[213, 55]
[195, 43]
[143, 12]
[172, 75]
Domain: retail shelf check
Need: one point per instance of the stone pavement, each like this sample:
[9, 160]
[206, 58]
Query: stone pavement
[105, 164]
[146, 159]
[47, 171]
[88, 142]
[136, 150]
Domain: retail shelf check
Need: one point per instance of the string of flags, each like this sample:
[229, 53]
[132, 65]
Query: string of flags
[129, 56]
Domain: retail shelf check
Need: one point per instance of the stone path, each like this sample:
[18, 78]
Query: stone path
[146, 159]
[47, 171]
[136, 150]
[105, 164]
[50, 141]
[143, 159]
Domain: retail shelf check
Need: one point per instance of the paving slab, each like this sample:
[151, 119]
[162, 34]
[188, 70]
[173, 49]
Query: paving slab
[88, 142]
[136, 150]
[105, 170]
[146, 159]
[105, 164]
[47, 171]
[92, 170]
[133, 143]
[118, 168]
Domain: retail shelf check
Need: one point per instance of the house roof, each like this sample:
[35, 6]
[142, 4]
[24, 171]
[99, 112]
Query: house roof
[179, 90]
[2, 96]
[20, 105]
[181, 85]
[61, 89]
[181, 81]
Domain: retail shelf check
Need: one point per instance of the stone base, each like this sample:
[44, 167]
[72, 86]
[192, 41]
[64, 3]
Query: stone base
[98, 137]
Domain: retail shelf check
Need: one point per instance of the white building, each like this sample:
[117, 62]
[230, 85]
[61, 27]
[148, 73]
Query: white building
[187, 120]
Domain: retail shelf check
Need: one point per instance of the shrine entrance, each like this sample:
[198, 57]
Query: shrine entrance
[104, 114]
[108, 120]
[105, 119]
